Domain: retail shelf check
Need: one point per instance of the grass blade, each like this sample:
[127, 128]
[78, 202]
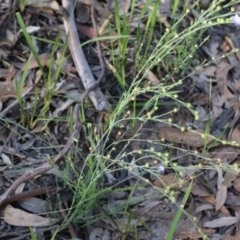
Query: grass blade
[179, 213]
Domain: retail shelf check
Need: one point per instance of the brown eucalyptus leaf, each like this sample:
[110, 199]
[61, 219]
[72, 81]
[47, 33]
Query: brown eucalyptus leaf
[34, 205]
[44, 58]
[221, 197]
[221, 222]
[16, 217]
[199, 190]
[193, 139]
[86, 30]
[212, 200]
[171, 181]
[225, 154]
[233, 200]
[221, 190]
[221, 75]
[229, 177]
[204, 207]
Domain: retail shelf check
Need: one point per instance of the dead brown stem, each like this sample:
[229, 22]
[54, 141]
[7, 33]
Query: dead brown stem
[70, 226]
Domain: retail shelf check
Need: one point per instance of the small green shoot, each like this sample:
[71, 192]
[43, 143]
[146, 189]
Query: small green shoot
[179, 213]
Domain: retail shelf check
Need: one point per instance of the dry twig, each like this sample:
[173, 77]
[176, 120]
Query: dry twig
[70, 226]
[99, 80]
[97, 97]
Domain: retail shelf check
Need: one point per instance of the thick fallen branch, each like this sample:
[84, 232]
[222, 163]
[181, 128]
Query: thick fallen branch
[96, 96]
[47, 166]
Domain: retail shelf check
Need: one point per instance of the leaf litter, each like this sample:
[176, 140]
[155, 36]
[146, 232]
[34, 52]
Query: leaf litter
[214, 200]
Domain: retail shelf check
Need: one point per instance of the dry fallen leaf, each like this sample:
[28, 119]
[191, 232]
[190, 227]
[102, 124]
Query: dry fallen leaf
[212, 200]
[199, 190]
[221, 75]
[225, 154]
[34, 205]
[88, 31]
[221, 222]
[8, 90]
[6, 159]
[17, 217]
[170, 180]
[221, 190]
[229, 177]
[192, 139]
[44, 58]
[151, 77]
[233, 200]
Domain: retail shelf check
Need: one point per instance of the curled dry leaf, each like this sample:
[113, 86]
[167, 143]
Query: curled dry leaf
[192, 139]
[17, 217]
[221, 222]
[221, 190]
